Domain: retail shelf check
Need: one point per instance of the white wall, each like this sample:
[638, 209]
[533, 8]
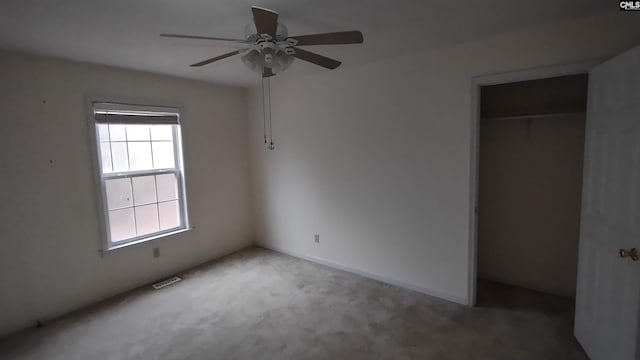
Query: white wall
[376, 159]
[529, 202]
[49, 233]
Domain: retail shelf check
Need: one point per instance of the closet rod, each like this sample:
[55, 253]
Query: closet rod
[533, 116]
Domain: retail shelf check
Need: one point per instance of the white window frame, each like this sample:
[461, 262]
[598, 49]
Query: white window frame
[101, 107]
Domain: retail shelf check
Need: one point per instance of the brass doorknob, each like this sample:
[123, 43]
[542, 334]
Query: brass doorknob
[632, 253]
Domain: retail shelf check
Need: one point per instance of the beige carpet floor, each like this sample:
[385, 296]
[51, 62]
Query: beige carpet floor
[258, 304]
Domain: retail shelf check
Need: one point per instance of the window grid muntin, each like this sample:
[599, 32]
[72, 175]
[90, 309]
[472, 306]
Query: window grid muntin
[127, 151]
[131, 177]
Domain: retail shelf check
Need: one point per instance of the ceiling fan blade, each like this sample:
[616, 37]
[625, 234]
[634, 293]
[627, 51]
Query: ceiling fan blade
[316, 59]
[209, 61]
[267, 72]
[202, 37]
[334, 38]
[266, 20]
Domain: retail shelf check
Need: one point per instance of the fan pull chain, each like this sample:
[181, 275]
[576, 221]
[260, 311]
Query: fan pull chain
[264, 115]
[271, 146]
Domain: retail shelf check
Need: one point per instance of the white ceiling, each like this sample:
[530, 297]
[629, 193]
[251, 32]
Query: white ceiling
[124, 33]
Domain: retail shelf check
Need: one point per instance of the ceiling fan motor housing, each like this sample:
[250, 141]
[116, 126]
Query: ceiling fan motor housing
[251, 33]
[276, 54]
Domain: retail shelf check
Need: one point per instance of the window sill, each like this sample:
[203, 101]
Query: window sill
[140, 241]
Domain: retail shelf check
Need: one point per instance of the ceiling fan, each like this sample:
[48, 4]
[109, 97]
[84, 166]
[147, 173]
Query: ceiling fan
[268, 49]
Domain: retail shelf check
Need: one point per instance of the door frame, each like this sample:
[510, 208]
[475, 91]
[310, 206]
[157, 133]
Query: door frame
[474, 159]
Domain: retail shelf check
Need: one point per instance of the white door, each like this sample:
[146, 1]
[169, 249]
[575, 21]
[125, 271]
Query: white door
[608, 290]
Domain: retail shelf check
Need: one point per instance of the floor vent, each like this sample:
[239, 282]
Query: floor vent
[167, 282]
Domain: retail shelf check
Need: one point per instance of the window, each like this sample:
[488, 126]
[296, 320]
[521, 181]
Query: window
[140, 170]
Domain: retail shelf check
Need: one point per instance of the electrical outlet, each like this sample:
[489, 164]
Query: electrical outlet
[317, 238]
[156, 252]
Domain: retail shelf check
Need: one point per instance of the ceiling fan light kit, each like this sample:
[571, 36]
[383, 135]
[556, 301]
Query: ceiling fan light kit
[269, 50]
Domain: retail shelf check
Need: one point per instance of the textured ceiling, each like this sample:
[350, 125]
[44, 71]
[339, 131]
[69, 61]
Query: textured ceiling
[124, 33]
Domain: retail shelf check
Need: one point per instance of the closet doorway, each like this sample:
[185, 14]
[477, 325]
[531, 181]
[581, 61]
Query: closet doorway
[531, 149]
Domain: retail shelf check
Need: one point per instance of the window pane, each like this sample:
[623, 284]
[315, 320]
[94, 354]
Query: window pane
[140, 156]
[163, 155]
[117, 132]
[120, 159]
[121, 224]
[147, 219]
[105, 155]
[118, 193]
[137, 132]
[103, 132]
[144, 190]
[169, 215]
[161, 132]
[167, 187]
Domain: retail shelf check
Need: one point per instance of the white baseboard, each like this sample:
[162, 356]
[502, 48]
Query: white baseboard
[331, 264]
